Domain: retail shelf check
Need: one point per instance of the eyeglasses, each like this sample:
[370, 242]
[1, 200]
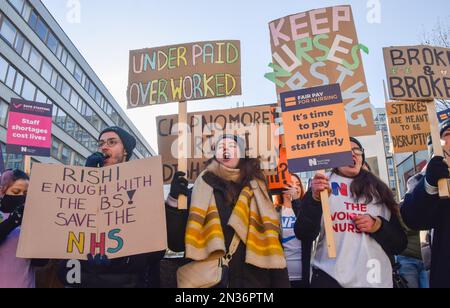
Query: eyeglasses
[358, 151]
[110, 143]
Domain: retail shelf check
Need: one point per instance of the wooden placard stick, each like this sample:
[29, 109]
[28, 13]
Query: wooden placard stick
[328, 222]
[182, 145]
[27, 164]
[444, 191]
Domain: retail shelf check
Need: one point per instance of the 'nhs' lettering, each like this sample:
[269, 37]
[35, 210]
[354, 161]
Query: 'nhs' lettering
[340, 189]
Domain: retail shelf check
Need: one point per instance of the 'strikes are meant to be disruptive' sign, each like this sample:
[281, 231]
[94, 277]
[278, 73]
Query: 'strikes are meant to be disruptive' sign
[29, 128]
[316, 138]
[185, 72]
[116, 211]
[318, 48]
[418, 72]
[409, 126]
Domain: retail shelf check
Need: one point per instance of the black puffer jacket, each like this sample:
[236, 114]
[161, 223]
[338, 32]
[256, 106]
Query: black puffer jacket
[141, 271]
[421, 211]
[241, 275]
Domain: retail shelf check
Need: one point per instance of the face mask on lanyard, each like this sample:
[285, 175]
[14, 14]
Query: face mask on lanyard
[9, 203]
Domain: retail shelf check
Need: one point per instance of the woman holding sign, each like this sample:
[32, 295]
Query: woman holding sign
[232, 228]
[14, 272]
[366, 227]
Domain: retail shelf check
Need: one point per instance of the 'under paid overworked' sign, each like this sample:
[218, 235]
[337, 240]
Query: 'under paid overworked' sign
[192, 71]
[316, 135]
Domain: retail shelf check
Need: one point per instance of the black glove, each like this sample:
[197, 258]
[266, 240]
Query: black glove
[96, 160]
[437, 170]
[179, 185]
[16, 217]
[14, 220]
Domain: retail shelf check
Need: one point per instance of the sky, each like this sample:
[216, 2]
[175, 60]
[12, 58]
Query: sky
[107, 30]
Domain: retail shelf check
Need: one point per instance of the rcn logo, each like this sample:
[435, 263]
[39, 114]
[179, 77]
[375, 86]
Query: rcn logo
[340, 189]
[313, 162]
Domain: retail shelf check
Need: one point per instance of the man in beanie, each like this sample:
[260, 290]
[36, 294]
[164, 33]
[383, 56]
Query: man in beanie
[424, 210]
[115, 146]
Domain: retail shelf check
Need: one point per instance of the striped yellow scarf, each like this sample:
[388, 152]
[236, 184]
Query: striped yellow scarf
[254, 219]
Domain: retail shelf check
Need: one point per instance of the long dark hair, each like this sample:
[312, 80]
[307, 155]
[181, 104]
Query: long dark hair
[367, 187]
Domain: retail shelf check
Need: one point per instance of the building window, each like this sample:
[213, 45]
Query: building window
[41, 29]
[18, 84]
[29, 90]
[40, 97]
[70, 64]
[26, 51]
[33, 19]
[18, 45]
[8, 31]
[18, 4]
[55, 148]
[52, 42]
[46, 71]
[78, 74]
[3, 69]
[35, 59]
[26, 11]
[61, 119]
[10, 77]
[3, 113]
[65, 92]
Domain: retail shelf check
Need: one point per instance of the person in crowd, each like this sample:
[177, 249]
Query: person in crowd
[14, 272]
[423, 209]
[366, 227]
[229, 199]
[288, 204]
[115, 147]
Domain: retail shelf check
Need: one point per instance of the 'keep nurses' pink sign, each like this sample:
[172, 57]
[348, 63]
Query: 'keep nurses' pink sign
[29, 128]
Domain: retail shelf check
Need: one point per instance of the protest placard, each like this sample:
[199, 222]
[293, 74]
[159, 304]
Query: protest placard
[116, 211]
[185, 72]
[282, 178]
[320, 47]
[418, 72]
[315, 136]
[409, 126]
[253, 124]
[29, 128]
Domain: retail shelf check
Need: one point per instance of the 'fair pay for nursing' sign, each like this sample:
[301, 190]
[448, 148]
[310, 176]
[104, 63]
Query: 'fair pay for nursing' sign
[29, 128]
[317, 136]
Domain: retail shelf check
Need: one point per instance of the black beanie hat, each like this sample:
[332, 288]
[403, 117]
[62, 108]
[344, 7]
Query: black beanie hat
[129, 142]
[352, 139]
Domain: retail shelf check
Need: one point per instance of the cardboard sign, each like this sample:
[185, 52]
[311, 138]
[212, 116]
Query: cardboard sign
[279, 181]
[116, 211]
[315, 136]
[184, 72]
[319, 48]
[444, 116]
[409, 126]
[29, 128]
[418, 72]
[206, 127]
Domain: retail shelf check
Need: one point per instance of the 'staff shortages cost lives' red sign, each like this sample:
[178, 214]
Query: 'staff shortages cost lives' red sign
[29, 128]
